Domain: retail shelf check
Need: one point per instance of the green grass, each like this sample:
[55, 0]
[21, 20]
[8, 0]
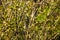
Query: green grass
[30, 20]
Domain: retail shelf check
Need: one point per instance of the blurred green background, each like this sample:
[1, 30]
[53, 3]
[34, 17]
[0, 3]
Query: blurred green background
[29, 19]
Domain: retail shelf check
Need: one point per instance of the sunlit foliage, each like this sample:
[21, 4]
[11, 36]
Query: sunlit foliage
[29, 19]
